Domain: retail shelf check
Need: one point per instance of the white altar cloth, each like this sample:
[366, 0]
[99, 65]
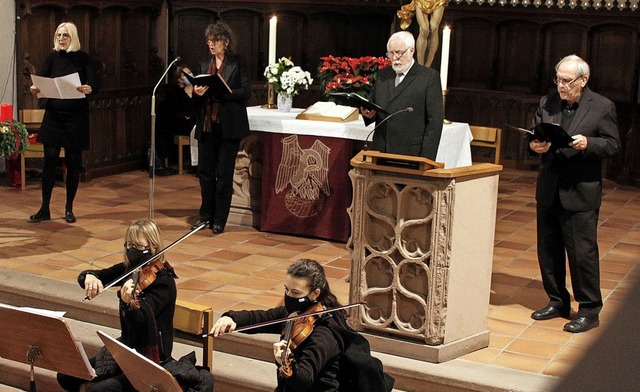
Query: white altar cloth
[454, 149]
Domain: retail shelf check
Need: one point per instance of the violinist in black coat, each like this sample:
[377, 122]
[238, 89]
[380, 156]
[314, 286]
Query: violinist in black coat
[146, 319]
[316, 350]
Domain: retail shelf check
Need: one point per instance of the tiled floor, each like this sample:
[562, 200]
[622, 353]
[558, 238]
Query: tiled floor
[243, 268]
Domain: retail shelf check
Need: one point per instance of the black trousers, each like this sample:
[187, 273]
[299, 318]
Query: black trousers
[216, 165]
[575, 233]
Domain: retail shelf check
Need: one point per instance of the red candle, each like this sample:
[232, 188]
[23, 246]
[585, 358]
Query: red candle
[6, 112]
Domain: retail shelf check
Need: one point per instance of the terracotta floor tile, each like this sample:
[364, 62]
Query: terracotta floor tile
[523, 362]
[538, 333]
[486, 355]
[559, 367]
[243, 268]
[534, 348]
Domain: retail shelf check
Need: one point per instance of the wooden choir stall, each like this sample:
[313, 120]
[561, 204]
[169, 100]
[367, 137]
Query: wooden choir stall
[421, 254]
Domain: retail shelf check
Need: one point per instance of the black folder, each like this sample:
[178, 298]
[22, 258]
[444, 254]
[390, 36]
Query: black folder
[544, 132]
[357, 100]
[215, 82]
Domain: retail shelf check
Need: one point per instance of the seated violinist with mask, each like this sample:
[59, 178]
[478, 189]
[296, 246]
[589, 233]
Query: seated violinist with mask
[146, 312]
[309, 359]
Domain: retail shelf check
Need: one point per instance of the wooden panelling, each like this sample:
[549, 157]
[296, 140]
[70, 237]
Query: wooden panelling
[614, 61]
[502, 58]
[120, 37]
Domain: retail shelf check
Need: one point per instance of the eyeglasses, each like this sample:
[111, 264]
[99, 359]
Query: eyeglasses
[396, 54]
[128, 245]
[565, 82]
[63, 36]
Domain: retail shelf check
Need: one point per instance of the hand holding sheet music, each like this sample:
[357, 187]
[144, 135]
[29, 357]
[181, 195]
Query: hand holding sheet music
[62, 87]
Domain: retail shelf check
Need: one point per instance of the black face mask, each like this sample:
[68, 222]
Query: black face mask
[297, 304]
[137, 256]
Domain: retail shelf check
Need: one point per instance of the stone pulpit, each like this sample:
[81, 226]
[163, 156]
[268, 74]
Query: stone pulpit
[421, 253]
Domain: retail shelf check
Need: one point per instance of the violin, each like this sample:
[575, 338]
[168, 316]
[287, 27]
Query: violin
[143, 277]
[154, 258]
[296, 331]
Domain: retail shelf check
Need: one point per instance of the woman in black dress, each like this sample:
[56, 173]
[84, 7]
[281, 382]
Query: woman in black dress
[66, 121]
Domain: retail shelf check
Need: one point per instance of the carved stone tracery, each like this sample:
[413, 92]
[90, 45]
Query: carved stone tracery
[403, 242]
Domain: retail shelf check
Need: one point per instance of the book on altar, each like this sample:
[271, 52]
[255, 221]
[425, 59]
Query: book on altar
[544, 132]
[62, 87]
[215, 82]
[329, 111]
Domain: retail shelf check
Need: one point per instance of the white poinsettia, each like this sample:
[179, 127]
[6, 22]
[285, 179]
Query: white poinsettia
[286, 77]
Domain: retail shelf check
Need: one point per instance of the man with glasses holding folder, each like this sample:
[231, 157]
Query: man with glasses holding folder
[569, 193]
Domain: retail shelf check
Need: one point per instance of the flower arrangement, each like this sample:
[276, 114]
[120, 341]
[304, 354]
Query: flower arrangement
[13, 138]
[350, 75]
[286, 77]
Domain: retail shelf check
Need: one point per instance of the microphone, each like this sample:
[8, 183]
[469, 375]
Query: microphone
[366, 140]
[152, 148]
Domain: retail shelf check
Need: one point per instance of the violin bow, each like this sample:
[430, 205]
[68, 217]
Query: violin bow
[154, 257]
[292, 318]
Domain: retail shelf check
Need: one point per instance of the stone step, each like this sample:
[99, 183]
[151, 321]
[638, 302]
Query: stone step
[244, 362]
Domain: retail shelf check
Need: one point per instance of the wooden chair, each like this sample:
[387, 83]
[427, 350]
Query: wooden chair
[192, 322]
[487, 137]
[31, 118]
[181, 141]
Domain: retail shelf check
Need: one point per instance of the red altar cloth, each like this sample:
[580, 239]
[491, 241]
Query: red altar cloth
[305, 185]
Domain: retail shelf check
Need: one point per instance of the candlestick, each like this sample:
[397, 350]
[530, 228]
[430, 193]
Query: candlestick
[271, 98]
[272, 39]
[444, 62]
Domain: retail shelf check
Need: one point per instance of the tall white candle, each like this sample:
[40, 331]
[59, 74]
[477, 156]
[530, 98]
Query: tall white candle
[444, 62]
[272, 39]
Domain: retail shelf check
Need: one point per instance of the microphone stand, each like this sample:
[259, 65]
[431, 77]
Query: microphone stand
[152, 150]
[366, 140]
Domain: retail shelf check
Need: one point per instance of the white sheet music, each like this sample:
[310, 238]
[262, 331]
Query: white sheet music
[43, 312]
[62, 87]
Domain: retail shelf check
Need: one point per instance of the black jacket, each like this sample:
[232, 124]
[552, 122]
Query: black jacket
[157, 313]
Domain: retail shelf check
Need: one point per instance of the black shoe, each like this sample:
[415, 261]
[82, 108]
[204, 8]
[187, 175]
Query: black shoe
[69, 217]
[40, 216]
[549, 312]
[217, 229]
[206, 224]
[166, 171]
[582, 324]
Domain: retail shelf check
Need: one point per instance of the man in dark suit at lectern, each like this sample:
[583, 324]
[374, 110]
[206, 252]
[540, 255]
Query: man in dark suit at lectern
[412, 94]
[569, 193]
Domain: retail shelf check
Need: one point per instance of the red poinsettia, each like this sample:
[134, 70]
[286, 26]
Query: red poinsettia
[348, 74]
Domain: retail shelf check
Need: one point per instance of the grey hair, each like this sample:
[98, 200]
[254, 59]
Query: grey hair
[583, 67]
[405, 36]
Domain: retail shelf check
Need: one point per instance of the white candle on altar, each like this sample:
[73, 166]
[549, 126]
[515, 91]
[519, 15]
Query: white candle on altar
[444, 62]
[272, 39]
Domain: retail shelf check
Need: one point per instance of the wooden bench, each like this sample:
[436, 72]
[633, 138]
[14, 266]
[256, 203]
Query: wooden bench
[191, 321]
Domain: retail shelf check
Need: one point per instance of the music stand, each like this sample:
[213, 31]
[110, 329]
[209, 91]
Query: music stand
[42, 340]
[144, 374]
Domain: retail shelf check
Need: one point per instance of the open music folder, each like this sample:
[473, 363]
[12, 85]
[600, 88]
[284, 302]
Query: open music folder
[553, 133]
[215, 82]
[357, 100]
